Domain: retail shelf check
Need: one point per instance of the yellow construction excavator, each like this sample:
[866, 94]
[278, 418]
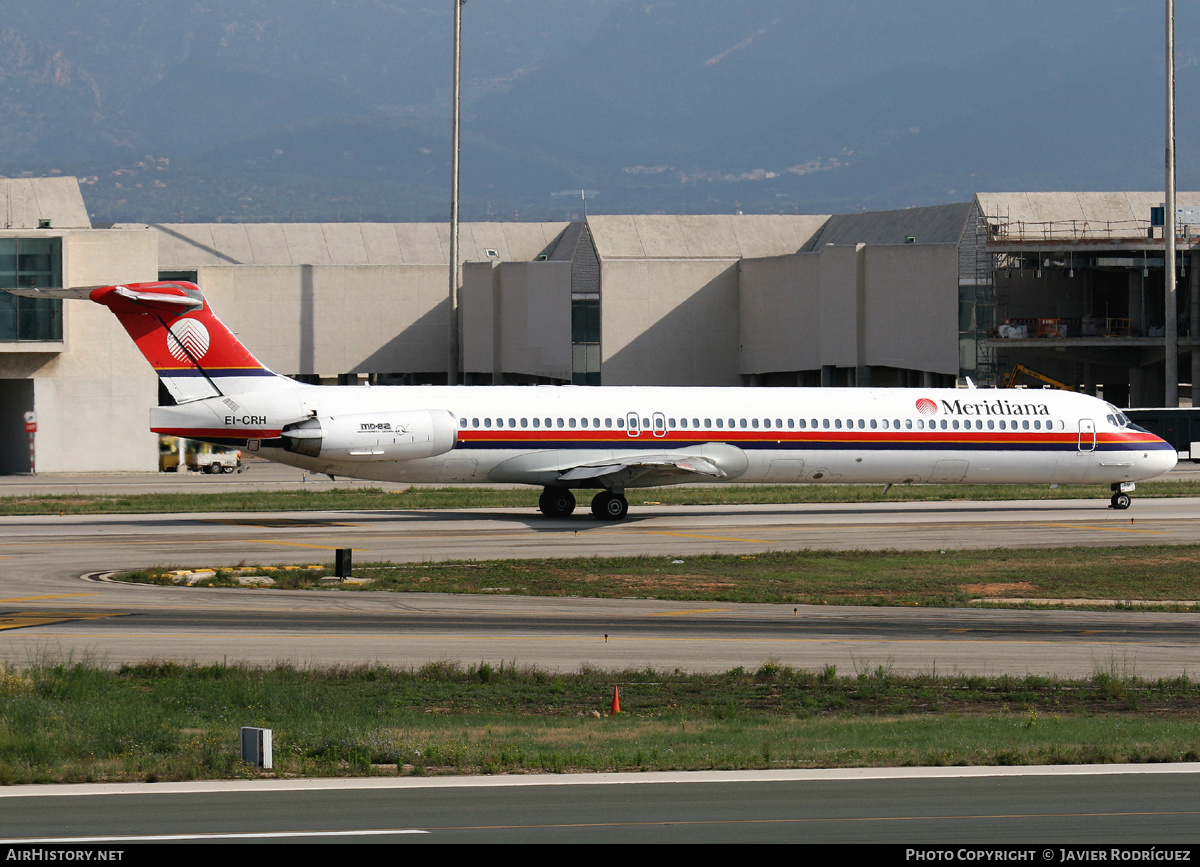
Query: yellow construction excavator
[1010, 379]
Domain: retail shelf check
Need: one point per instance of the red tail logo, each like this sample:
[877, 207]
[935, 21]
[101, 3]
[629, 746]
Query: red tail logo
[189, 339]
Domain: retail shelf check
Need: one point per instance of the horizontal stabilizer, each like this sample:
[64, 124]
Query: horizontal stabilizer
[73, 293]
[175, 304]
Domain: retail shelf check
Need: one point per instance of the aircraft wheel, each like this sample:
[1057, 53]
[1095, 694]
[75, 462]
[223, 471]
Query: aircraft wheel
[556, 502]
[608, 506]
[1120, 501]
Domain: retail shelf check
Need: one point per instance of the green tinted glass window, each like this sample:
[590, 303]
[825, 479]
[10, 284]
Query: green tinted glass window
[27, 262]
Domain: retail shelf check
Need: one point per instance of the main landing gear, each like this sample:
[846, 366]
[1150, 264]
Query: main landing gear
[560, 502]
[608, 506]
[1120, 499]
[556, 502]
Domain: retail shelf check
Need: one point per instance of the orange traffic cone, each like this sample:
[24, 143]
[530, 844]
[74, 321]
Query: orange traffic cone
[616, 705]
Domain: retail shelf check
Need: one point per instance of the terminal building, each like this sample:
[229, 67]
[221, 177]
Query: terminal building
[1069, 285]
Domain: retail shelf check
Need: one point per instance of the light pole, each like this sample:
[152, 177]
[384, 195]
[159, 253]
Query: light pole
[1170, 315]
[452, 365]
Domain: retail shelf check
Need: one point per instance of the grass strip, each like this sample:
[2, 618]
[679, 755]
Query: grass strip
[75, 722]
[418, 499]
[1162, 574]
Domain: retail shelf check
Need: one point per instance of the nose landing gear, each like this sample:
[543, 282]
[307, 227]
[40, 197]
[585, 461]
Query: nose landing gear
[1120, 497]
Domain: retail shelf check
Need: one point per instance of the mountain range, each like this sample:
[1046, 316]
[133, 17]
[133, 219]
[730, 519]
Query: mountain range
[174, 111]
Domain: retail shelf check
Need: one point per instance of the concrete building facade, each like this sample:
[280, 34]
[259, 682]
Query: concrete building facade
[916, 297]
[1072, 285]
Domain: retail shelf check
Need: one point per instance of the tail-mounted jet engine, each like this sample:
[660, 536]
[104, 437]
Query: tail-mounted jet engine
[374, 436]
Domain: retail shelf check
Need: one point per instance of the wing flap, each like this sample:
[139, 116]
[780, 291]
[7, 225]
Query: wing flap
[627, 470]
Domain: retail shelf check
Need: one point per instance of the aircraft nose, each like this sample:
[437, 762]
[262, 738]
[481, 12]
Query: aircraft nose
[1162, 460]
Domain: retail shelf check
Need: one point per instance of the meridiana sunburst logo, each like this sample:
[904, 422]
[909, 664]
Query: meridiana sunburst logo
[188, 340]
[925, 406]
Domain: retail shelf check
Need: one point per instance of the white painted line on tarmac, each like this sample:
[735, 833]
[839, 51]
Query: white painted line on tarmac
[602, 779]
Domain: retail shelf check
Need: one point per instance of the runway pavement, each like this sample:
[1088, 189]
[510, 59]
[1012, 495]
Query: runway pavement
[46, 609]
[1010, 813]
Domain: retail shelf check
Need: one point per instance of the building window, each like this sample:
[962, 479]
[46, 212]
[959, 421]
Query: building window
[28, 262]
[585, 340]
[170, 276]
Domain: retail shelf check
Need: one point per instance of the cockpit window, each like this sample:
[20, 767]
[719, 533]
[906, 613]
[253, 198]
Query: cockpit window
[1119, 419]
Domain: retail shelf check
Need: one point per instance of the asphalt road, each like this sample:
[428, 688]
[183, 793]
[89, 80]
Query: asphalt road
[47, 610]
[1016, 809]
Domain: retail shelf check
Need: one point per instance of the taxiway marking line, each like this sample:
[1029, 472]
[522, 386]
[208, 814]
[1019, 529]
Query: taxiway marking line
[686, 613]
[36, 618]
[293, 544]
[344, 638]
[702, 536]
[43, 598]
[1093, 527]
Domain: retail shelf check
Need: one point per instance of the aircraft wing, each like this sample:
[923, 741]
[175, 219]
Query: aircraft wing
[623, 472]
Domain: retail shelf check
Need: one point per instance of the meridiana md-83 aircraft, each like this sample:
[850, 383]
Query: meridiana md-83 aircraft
[610, 439]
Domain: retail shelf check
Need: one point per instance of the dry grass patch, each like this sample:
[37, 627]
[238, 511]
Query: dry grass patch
[998, 588]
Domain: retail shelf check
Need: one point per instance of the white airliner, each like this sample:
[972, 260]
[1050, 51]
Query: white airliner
[610, 439]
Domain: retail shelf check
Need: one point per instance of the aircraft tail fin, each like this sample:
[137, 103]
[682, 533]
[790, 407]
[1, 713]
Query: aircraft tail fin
[192, 351]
